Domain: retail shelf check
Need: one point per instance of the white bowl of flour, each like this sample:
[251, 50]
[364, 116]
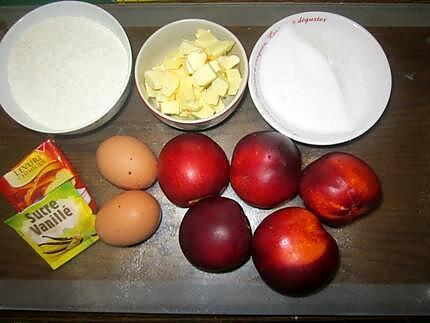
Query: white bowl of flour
[64, 68]
[319, 78]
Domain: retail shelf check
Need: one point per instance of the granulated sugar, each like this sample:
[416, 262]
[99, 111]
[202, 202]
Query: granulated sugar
[65, 71]
[301, 86]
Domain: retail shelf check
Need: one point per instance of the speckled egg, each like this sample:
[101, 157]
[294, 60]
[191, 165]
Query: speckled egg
[127, 162]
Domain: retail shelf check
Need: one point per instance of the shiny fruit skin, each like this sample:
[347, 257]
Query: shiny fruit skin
[192, 166]
[339, 187]
[215, 235]
[265, 169]
[293, 253]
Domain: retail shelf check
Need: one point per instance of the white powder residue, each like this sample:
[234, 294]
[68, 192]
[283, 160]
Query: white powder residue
[65, 71]
[300, 85]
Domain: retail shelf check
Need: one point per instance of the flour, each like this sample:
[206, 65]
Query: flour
[65, 71]
[301, 86]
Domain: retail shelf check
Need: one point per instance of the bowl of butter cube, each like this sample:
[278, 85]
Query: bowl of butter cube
[192, 73]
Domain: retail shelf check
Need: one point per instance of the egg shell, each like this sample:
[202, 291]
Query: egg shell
[127, 162]
[128, 218]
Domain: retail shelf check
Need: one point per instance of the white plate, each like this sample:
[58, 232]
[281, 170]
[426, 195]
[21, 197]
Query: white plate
[56, 9]
[352, 60]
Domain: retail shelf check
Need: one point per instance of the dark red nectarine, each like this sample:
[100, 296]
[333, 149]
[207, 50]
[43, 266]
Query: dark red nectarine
[215, 235]
[339, 187]
[293, 253]
[192, 166]
[265, 169]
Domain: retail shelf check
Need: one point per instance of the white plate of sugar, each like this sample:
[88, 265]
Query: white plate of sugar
[319, 78]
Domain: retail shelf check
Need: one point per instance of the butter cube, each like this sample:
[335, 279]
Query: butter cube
[188, 68]
[219, 106]
[154, 79]
[234, 79]
[201, 32]
[215, 66]
[170, 107]
[192, 106]
[205, 112]
[219, 86]
[219, 48]
[211, 97]
[187, 48]
[172, 61]
[186, 115]
[195, 60]
[198, 91]
[170, 83]
[228, 62]
[185, 92]
[180, 72]
[156, 103]
[205, 38]
[204, 75]
[160, 97]
[149, 91]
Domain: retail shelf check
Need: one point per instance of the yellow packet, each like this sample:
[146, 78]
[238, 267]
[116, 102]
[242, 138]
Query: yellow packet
[58, 227]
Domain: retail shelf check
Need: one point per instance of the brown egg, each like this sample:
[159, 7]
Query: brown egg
[127, 162]
[128, 218]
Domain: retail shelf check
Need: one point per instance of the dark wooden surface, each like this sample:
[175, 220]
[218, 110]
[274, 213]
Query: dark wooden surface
[389, 247]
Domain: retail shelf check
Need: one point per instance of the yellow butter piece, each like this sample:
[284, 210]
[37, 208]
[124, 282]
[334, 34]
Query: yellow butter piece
[160, 97]
[154, 79]
[158, 68]
[151, 93]
[156, 103]
[170, 107]
[187, 47]
[201, 32]
[215, 66]
[211, 97]
[173, 60]
[198, 91]
[219, 86]
[170, 83]
[185, 92]
[228, 62]
[219, 48]
[180, 72]
[205, 38]
[205, 112]
[195, 61]
[234, 79]
[204, 75]
[188, 68]
[186, 115]
[220, 106]
[192, 106]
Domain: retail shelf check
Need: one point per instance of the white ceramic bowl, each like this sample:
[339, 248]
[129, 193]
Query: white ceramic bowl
[57, 9]
[295, 47]
[169, 38]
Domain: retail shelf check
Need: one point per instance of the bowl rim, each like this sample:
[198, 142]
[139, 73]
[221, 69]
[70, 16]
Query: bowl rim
[122, 35]
[338, 136]
[217, 115]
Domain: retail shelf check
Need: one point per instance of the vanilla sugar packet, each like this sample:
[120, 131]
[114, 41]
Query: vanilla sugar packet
[58, 227]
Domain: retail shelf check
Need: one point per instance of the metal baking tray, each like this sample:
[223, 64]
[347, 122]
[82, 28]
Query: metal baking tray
[385, 258]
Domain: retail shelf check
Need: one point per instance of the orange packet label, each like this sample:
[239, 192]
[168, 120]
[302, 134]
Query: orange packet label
[43, 170]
